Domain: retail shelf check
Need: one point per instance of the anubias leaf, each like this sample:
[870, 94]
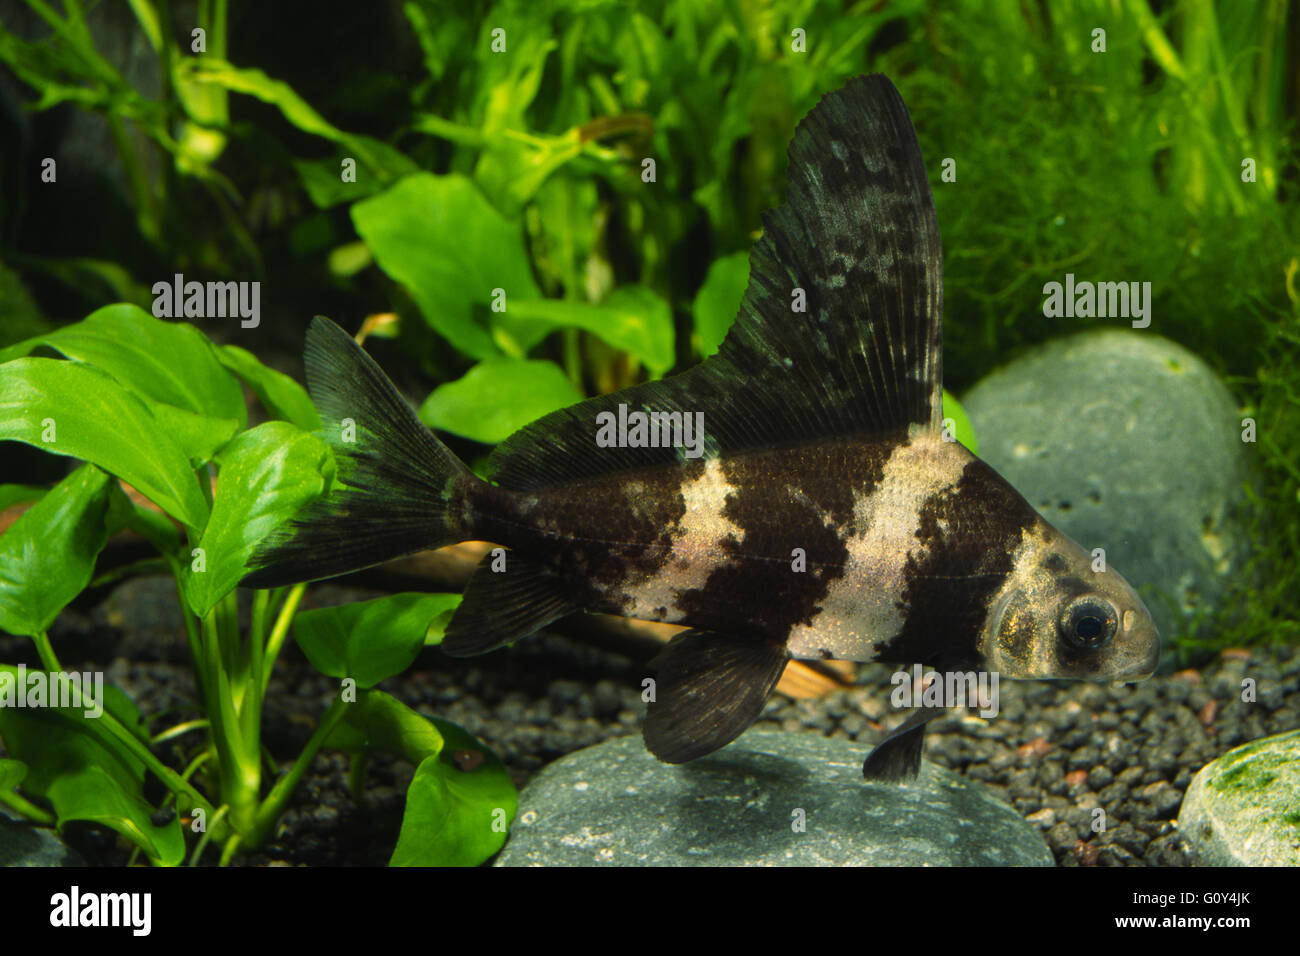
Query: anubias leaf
[370, 641]
[282, 396]
[461, 798]
[267, 474]
[169, 362]
[78, 410]
[441, 239]
[497, 397]
[48, 555]
[82, 770]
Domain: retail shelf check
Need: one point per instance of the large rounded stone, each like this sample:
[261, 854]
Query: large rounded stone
[24, 845]
[771, 798]
[1128, 442]
[1243, 809]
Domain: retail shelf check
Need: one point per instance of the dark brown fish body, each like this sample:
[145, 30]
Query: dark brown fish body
[827, 516]
[779, 542]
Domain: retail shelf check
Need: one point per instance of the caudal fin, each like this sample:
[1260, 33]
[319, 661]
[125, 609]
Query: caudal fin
[401, 489]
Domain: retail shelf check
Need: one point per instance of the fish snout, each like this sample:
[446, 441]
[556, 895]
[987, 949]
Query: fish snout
[1141, 662]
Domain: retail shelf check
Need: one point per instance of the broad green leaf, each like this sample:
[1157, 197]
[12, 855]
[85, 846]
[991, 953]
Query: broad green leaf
[718, 301]
[171, 362]
[267, 473]
[157, 530]
[378, 721]
[437, 628]
[21, 317]
[370, 641]
[963, 430]
[199, 436]
[73, 409]
[281, 395]
[48, 555]
[438, 237]
[633, 319]
[81, 769]
[323, 178]
[496, 398]
[461, 798]
[11, 495]
[12, 773]
[458, 805]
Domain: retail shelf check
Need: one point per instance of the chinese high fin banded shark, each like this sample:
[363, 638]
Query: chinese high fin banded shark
[824, 516]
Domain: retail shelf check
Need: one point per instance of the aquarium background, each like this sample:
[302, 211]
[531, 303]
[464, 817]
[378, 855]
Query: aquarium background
[394, 165]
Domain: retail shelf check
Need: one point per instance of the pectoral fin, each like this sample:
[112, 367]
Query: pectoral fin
[709, 688]
[897, 758]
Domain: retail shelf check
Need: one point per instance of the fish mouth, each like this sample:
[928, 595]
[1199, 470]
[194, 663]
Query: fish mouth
[1143, 671]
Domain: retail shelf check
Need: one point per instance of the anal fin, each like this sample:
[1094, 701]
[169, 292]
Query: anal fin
[897, 758]
[501, 607]
[710, 687]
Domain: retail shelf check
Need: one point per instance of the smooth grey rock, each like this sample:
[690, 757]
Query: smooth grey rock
[1128, 442]
[1243, 809]
[23, 845]
[614, 804]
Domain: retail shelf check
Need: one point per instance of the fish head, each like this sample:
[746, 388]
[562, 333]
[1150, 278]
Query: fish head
[1064, 613]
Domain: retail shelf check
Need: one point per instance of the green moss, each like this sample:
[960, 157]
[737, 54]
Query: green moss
[1256, 775]
[1256, 765]
[1249, 776]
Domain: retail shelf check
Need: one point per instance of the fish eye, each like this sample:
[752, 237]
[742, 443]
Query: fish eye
[1087, 623]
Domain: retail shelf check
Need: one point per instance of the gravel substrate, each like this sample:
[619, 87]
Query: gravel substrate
[1056, 751]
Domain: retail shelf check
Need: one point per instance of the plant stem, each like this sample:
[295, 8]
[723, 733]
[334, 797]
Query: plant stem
[192, 635]
[240, 782]
[166, 774]
[207, 835]
[278, 798]
[46, 651]
[1162, 50]
[143, 566]
[26, 808]
[229, 849]
[280, 631]
[257, 639]
[178, 730]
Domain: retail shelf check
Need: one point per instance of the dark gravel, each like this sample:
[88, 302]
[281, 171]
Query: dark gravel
[1056, 751]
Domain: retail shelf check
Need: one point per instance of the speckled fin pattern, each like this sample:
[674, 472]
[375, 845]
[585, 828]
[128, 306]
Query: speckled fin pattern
[856, 247]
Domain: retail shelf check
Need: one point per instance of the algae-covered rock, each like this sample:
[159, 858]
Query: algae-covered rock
[1128, 442]
[1243, 809]
[771, 798]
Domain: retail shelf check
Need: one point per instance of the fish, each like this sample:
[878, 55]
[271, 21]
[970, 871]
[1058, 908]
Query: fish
[823, 514]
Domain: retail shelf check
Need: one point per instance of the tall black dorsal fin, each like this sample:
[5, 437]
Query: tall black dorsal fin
[858, 234]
